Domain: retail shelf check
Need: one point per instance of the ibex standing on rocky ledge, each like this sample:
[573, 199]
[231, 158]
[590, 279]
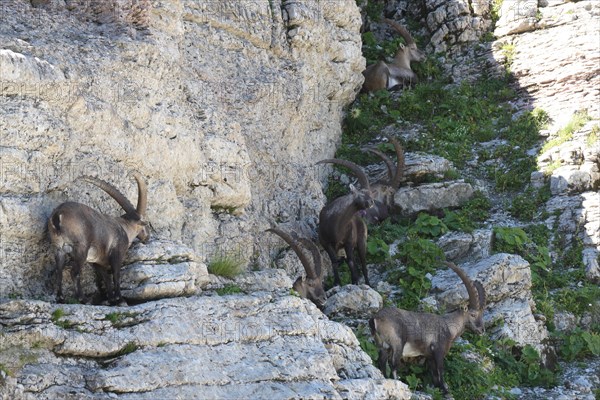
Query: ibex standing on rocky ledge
[342, 227]
[382, 75]
[400, 333]
[84, 234]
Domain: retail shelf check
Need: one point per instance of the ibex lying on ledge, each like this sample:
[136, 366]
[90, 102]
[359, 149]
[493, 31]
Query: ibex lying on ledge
[312, 287]
[383, 75]
[400, 333]
[87, 235]
[341, 225]
[383, 192]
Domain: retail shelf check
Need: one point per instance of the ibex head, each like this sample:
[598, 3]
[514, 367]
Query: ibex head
[410, 49]
[134, 216]
[476, 305]
[310, 287]
[362, 197]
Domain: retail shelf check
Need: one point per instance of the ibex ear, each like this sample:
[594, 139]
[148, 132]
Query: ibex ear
[353, 188]
[464, 307]
[402, 46]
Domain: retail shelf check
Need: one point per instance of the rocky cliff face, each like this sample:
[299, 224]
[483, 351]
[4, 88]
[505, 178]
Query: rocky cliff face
[223, 106]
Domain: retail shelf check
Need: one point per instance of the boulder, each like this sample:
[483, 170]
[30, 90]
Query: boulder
[354, 301]
[430, 197]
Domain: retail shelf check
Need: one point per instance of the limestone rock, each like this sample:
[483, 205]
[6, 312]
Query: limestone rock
[429, 197]
[178, 94]
[517, 17]
[453, 24]
[462, 247]
[186, 347]
[418, 165]
[155, 281]
[355, 301]
[506, 279]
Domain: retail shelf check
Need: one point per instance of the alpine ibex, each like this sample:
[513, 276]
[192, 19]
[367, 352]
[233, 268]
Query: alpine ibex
[383, 192]
[312, 287]
[400, 333]
[342, 227]
[84, 234]
[382, 75]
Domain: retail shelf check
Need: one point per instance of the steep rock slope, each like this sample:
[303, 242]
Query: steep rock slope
[223, 106]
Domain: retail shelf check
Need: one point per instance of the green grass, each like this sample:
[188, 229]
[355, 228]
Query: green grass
[578, 120]
[452, 121]
[594, 137]
[57, 319]
[129, 348]
[229, 289]
[226, 266]
[120, 319]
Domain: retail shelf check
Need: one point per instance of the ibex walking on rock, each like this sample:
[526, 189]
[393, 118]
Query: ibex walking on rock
[382, 75]
[312, 287]
[400, 333]
[84, 234]
[342, 227]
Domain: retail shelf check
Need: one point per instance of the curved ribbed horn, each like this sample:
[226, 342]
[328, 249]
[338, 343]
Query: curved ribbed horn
[358, 172]
[316, 254]
[401, 30]
[481, 291]
[389, 164]
[142, 194]
[473, 292]
[114, 193]
[310, 272]
[400, 162]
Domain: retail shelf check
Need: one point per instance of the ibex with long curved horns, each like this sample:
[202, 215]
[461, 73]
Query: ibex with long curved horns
[85, 235]
[312, 287]
[342, 227]
[383, 192]
[400, 333]
[382, 75]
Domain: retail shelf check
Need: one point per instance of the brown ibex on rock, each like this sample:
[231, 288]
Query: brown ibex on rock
[382, 75]
[84, 234]
[400, 333]
[342, 227]
[312, 287]
[383, 192]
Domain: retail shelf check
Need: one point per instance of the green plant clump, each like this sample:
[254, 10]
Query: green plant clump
[225, 265]
[120, 319]
[565, 134]
[56, 318]
[579, 344]
[129, 348]
[229, 289]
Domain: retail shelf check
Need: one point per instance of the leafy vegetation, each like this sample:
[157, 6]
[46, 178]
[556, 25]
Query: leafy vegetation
[469, 123]
[579, 344]
[526, 206]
